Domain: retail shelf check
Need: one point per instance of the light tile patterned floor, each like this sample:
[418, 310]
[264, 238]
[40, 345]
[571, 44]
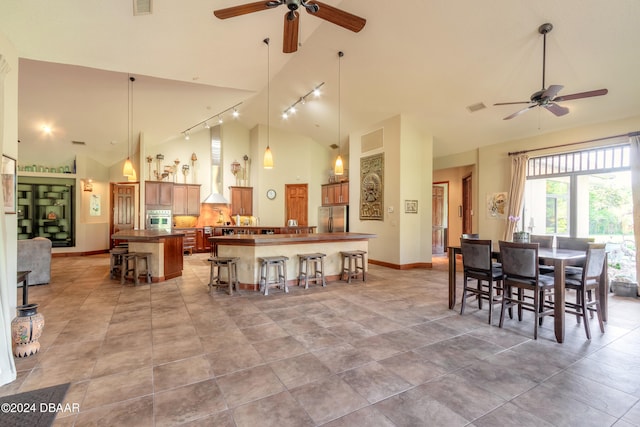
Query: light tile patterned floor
[386, 352]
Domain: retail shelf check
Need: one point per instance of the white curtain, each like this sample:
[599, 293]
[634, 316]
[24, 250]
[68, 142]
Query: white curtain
[516, 191]
[634, 143]
[7, 366]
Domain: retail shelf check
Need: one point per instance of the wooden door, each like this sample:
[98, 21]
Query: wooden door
[437, 212]
[124, 209]
[467, 205]
[297, 203]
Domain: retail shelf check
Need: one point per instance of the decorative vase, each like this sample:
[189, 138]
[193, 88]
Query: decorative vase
[521, 237]
[26, 330]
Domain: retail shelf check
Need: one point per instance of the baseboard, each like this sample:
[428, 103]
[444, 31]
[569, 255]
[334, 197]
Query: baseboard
[401, 266]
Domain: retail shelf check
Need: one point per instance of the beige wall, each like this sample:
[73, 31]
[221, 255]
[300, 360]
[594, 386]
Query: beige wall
[402, 238]
[493, 163]
[454, 177]
[9, 146]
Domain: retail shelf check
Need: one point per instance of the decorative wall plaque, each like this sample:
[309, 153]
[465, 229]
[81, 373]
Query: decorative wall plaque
[372, 187]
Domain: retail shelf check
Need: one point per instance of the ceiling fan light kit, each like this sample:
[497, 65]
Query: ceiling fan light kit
[548, 98]
[291, 18]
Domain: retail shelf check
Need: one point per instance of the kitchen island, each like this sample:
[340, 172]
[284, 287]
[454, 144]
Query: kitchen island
[165, 247]
[249, 247]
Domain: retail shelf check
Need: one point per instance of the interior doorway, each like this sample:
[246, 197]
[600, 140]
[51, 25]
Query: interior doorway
[297, 203]
[440, 217]
[123, 214]
[467, 205]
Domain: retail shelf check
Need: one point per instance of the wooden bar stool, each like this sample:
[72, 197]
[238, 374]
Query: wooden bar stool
[351, 268]
[131, 268]
[215, 277]
[279, 266]
[115, 262]
[305, 261]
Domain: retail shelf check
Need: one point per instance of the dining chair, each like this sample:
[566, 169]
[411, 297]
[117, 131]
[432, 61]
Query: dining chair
[586, 282]
[478, 264]
[520, 270]
[544, 241]
[576, 244]
[470, 236]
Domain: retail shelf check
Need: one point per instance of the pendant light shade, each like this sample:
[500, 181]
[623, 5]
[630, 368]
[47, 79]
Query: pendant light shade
[128, 170]
[268, 159]
[338, 169]
[267, 162]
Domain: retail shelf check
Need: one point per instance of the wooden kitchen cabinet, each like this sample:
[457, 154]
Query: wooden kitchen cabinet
[158, 194]
[186, 199]
[335, 194]
[202, 241]
[241, 200]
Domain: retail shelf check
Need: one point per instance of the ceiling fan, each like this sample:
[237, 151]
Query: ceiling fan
[316, 8]
[547, 97]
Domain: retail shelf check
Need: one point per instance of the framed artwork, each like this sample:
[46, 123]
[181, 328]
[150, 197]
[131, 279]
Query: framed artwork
[372, 187]
[497, 205]
[411, 206]
[9, 184]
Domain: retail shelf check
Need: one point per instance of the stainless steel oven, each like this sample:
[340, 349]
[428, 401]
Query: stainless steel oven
[159, 219]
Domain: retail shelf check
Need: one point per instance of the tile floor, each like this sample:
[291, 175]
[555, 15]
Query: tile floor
[387, 352]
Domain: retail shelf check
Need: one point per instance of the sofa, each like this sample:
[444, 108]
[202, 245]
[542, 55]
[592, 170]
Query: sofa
[35, 255]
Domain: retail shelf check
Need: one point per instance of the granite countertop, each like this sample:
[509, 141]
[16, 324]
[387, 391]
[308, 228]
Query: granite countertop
[283, 239]
[145, 234]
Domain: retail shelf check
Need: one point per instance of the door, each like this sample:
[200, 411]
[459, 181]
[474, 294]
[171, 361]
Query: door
[297, 203]
[467, 206]
[124, 209]
[438, 212]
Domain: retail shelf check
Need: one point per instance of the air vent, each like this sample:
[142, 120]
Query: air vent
[142, 7]
[476, 107]
[78, 143]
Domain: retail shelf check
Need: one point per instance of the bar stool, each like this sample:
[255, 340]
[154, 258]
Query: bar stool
[350, 265]
[215, 277]
[304, 263]
[131, 265]
[115, 262]
[279, 265]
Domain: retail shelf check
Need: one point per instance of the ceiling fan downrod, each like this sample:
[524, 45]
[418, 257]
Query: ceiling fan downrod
[544, 29]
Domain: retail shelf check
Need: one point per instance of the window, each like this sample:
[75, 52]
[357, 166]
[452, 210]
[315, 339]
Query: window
[583, 194]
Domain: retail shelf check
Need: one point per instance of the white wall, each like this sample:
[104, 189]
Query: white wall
[402, 238]
[9, 147]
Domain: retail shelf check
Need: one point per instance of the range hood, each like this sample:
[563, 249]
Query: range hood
[216, 168]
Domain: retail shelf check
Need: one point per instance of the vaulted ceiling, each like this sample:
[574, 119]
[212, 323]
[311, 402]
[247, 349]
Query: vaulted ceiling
[426, 59]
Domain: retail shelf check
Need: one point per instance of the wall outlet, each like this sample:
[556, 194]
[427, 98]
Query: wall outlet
[390, 209]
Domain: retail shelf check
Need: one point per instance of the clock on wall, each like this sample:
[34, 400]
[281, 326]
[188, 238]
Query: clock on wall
[271, 194]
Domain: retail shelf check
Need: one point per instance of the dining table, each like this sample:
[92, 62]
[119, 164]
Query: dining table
[559, 258]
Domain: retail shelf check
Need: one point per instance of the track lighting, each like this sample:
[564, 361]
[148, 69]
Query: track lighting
[217, 115]
[302, 100]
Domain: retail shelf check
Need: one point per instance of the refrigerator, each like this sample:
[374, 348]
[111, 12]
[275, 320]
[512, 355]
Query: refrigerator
[333, 219]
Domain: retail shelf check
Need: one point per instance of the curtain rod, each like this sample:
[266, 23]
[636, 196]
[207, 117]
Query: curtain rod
[630, 134]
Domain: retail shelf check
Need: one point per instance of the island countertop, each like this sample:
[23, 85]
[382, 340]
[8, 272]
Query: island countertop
[145, 235]
[287, 239]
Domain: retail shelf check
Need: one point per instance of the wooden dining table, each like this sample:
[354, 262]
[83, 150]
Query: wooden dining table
[559, 258]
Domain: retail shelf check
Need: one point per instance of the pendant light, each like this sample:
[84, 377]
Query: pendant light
[268, 157]
[339, 167]
[127, 170]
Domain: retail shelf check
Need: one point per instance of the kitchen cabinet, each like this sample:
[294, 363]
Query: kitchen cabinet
[186, 199]
[241, 200]
[158, 194]
[189, 240]
[335, 194]
[202, 240]
[45, 209]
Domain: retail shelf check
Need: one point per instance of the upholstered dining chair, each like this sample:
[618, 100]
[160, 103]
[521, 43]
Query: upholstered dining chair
[478, 264]
[520, 271]
[470, 236]
[543, 241]
[576, 244]
[586, 282]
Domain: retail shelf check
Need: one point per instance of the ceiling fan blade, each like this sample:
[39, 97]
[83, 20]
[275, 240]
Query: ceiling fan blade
[290, 37]
[556, 109]
[517, 113]
[338, 17]
[243, 9]
[552, 91]
[589, 94]
[513, 103]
